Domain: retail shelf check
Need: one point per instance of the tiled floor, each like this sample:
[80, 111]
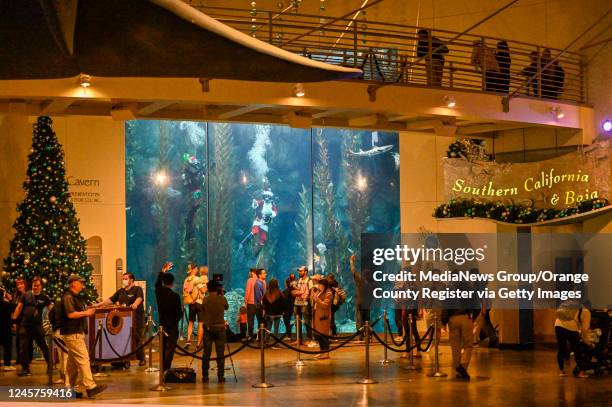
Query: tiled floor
[499, 378]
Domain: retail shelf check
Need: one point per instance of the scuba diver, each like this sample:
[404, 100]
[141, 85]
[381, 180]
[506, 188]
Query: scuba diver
[193, 176]
[265, 211]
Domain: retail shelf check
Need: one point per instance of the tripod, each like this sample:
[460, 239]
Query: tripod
[231, 361]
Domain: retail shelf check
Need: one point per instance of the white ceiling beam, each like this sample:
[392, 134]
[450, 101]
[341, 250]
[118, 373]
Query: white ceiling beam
[328, 113]
[298, 121]
[421, 124]
[153, 107]
[240, 111]
[125, 111]
[489, 127]
[56, 106]
[363, 121]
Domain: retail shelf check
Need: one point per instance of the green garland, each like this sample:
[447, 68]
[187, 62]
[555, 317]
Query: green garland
[469, 208]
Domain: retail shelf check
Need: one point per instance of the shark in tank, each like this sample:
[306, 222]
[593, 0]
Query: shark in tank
[372, 152]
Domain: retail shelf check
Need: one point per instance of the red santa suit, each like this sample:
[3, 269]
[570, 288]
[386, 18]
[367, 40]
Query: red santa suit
[264, 213]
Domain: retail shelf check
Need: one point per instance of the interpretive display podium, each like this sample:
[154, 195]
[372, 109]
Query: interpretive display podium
[116, 334]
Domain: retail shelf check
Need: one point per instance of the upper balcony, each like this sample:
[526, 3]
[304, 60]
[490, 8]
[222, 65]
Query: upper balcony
[393, 54]
[447, 94]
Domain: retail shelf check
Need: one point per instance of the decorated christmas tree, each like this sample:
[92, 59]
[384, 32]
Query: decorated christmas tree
[47, 240]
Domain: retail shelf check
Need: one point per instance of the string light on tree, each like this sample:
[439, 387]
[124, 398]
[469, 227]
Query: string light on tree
[253, 18]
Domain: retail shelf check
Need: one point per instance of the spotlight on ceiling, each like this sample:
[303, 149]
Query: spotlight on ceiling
[607, 125]
[298, 90]
[449, 101]
[85, 80]
[557, 113]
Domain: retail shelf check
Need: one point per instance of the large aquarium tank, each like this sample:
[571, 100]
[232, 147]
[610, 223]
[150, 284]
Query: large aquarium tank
[236, 196]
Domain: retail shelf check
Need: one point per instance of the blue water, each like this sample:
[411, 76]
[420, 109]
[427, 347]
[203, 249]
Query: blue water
[196, 190]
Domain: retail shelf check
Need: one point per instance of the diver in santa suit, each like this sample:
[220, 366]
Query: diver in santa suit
[193, 178]
[265, 211]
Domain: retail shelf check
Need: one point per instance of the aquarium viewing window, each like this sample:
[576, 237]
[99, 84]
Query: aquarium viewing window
[236, 196]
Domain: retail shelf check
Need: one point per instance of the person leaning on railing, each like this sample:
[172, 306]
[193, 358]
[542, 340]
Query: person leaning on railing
[552, 76]
[434, 56]
[484, 60]
[502, 55]
[529, 72]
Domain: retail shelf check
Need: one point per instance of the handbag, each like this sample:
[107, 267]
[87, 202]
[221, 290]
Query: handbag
[180, 375]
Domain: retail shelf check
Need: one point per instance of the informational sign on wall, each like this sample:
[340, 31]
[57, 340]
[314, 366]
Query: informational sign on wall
[84, 190]
[562, 181]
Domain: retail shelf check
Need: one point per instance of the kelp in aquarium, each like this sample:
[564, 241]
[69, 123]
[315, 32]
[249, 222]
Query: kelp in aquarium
[222, 185]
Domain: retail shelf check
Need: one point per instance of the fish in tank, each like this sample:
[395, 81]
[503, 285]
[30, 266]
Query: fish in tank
[237, 196]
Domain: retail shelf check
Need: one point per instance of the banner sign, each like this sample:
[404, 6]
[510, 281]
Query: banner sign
[562, 181]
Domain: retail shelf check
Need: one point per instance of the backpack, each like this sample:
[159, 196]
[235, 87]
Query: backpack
[339, 296]
[190, 291]
[567, 311]
[56, 315]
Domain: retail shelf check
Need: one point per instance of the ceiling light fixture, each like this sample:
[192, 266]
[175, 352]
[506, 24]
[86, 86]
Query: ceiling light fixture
[607, 125]
[85, 80]
[298, 90]
[557, 113]
[449, 101]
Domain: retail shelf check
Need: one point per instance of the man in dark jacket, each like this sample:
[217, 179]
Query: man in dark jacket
[30, 306]
[170, 312]
[434, 56]
[529, 73]
[6, 338]
[213, 309]
[289, 302]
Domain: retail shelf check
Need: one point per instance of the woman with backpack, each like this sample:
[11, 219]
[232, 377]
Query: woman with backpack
[274, 306]
[572, 326]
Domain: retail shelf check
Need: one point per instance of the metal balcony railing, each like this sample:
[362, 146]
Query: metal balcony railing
[396, 54]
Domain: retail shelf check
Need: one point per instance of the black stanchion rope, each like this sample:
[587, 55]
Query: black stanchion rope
[60, 344]
[416, 345]
[391, 332]
[126, 356]
[288, 346]
[185, 352]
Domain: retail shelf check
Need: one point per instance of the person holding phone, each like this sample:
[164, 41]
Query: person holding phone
[170, 312]
[321, 316]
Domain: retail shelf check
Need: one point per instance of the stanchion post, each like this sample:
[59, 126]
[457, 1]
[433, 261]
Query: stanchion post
[367, 379]
[50, 363]
[411, 365]
[385, 360]
[161, 386]
[262, 344]
[436, 372]
[298, 324]
[150, 369]
[100, 373]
